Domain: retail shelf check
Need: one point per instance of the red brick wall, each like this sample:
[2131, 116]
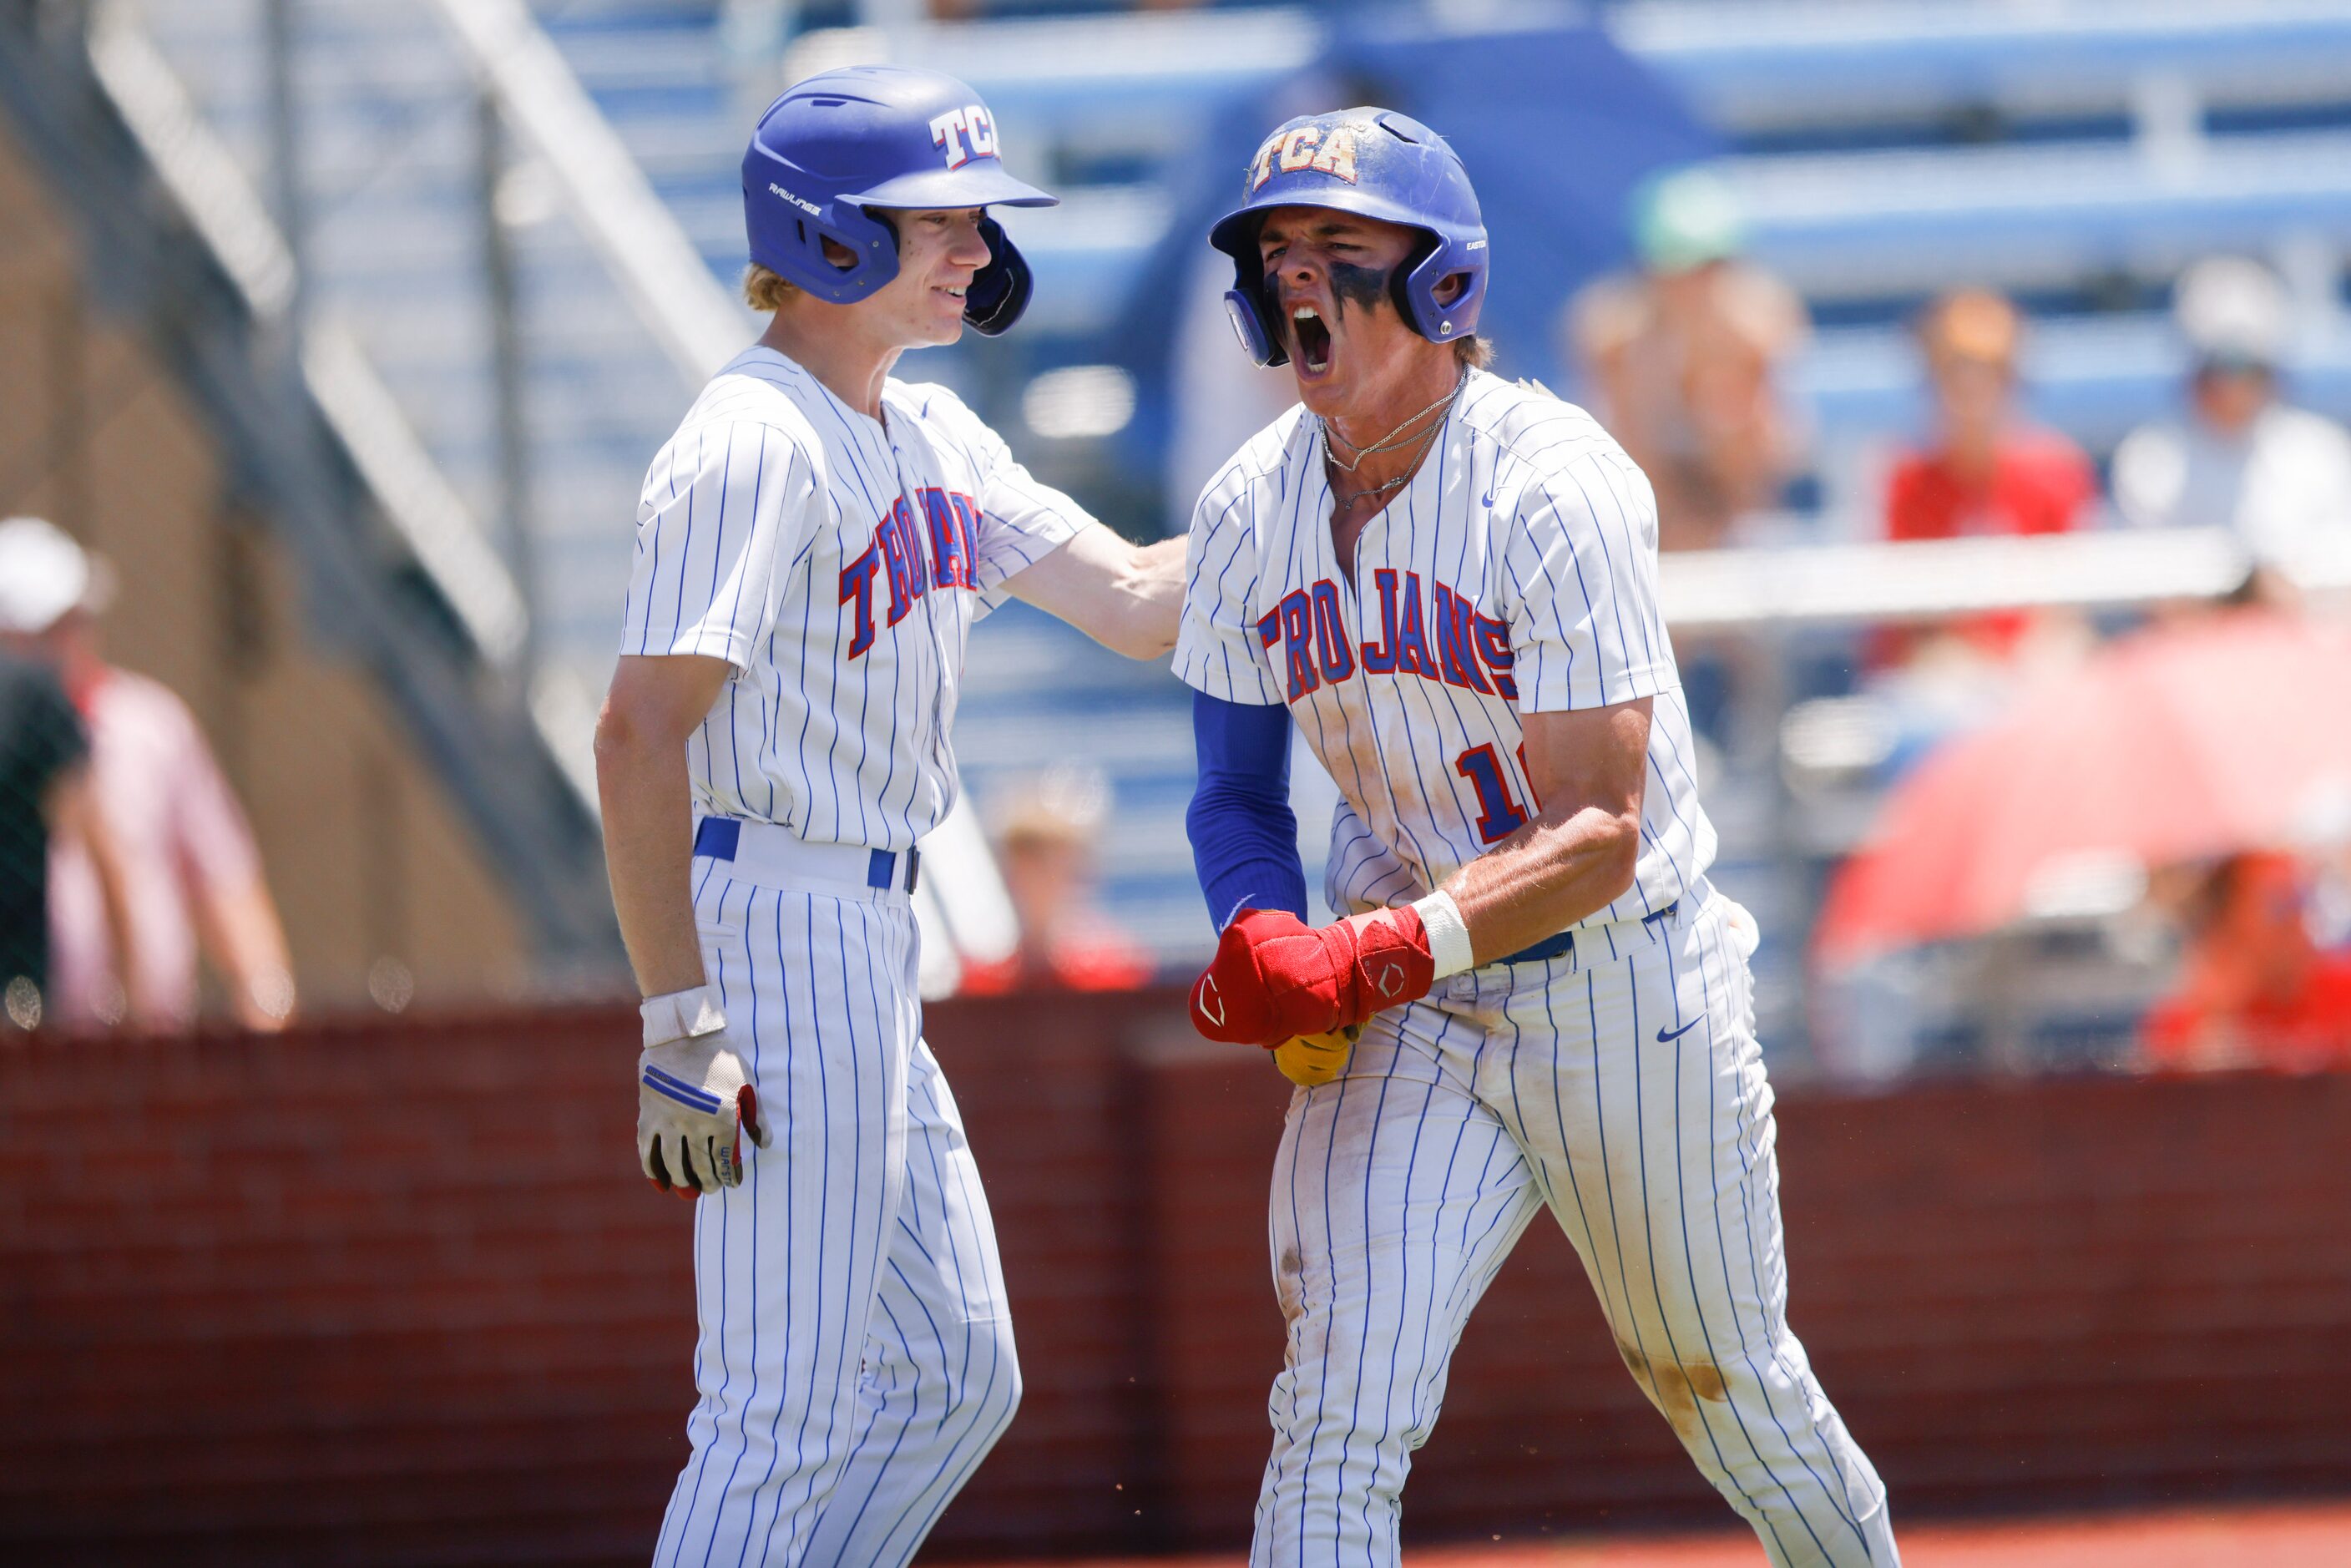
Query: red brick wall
[389, 1292]
[347, 1297]
[2020, 1295]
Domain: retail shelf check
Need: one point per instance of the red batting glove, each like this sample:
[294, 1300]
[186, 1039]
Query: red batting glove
[1275, 977]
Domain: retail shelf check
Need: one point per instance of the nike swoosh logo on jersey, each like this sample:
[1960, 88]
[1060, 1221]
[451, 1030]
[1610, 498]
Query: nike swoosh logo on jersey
[1663, 1038]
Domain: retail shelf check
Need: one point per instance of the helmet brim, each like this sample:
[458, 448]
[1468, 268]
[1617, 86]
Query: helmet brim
[986, 185]
[1236, 230]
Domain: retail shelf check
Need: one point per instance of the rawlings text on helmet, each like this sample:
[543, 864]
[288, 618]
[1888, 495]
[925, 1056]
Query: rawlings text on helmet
[963, 134]
[810, 208]
[1306, 147]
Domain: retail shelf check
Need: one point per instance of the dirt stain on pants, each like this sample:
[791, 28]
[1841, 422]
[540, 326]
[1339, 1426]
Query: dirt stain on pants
[1676, 1387]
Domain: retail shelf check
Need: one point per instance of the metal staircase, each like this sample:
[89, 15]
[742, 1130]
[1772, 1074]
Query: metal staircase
[395, 576]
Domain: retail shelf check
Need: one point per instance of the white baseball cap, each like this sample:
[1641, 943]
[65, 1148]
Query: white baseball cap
[43, 575]
[2232, 310]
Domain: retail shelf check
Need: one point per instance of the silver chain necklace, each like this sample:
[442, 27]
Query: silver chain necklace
[1394, 438]
[1349, 497]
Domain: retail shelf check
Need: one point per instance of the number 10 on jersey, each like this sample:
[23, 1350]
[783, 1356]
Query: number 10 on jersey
[1500, 813]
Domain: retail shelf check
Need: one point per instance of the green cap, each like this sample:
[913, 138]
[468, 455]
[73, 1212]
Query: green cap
[1687, 217]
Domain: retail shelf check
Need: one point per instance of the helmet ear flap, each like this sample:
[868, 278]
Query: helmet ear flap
[1417, 284]
[1246, 310]
[999, 291]
[1248, 304]
[792, 243]
[1401, 280]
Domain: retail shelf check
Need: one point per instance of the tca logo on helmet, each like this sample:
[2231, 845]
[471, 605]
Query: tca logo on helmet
[1306, 147]
[963, 134]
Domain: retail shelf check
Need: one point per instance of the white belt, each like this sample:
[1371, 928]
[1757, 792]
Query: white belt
[771, 856]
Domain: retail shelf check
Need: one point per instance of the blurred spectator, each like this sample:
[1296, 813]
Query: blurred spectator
[2324, 835]
[45, 796]
[1986, 472]
[1044, 842]
[189, 869]
[1682, 360]
[2255, 989]
[2245, 460]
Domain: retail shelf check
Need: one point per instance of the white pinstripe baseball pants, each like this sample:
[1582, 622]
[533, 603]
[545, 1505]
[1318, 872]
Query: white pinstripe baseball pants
[855, 1359]
[1625, 1091]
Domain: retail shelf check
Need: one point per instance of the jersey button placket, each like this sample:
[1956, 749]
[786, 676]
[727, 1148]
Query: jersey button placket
[942, 697]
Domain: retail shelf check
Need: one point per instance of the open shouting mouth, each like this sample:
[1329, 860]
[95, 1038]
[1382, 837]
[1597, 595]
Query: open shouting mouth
[1311, 338]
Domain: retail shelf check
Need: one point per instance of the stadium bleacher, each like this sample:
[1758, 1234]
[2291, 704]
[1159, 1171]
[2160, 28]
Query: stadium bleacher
[2077, 153]
[393, 242]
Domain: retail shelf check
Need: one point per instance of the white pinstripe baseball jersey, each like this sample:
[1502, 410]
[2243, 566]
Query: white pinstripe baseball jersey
[855, 1360]
[1616, 1082]
[1515, 573]
[837, 563]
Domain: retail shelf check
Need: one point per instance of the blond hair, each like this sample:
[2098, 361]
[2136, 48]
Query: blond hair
[765, 291]
[1971, 323]
[1473, 353]
[1065, 804]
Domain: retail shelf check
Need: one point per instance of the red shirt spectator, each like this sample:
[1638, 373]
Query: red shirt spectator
[1045, 840]
[1985, 475]
[2307, 1029]
[2039, 483]
[2254, 990]
[1071, 965]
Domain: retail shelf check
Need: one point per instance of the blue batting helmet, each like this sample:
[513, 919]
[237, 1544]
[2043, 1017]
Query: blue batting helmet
[1376, 164]
[846, 141]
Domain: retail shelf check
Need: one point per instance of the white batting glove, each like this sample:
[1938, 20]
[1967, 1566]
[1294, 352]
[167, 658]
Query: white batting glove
[693, 1102]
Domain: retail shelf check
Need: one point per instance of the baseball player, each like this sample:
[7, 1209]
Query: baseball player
[1449, 582]
[812, 547]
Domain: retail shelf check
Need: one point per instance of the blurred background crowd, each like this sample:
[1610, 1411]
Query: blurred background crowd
[1989, 363]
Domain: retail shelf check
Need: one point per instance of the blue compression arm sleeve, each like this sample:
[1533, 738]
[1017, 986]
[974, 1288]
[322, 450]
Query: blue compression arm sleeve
[1244, 835]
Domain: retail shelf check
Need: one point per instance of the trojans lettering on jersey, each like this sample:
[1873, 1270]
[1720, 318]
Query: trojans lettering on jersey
[837, 562]
[897, 555]
[1514, 574]
[1472, 650]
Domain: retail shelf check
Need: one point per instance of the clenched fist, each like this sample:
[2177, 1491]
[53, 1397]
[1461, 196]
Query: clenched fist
[1275, 977]
[1314, 1059]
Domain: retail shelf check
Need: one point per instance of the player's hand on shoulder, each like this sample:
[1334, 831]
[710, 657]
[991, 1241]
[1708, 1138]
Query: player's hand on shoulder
[1275, 977]
[695, 1101]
